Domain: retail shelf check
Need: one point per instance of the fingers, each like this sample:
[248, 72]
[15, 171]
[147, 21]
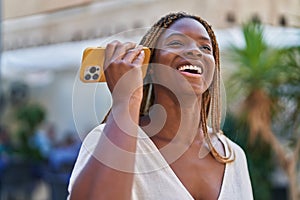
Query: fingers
[132, 54]
[112, 52]
[127, 52]
[110, 49]
[122, 49]
[139, 59]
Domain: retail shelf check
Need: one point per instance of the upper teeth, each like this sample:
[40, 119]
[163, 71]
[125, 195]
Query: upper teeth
[191, 67]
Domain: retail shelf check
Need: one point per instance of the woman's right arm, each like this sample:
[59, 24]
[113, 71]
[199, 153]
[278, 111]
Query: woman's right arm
[108, 173]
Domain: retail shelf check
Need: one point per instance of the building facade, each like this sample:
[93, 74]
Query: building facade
[47, 22]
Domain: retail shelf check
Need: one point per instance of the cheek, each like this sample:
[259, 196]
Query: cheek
[161, 57]
[211, 68]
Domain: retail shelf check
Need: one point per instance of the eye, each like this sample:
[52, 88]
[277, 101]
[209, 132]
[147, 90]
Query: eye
[206, 48]
[175, 43]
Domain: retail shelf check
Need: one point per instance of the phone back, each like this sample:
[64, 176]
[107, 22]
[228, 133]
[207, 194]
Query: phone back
[91, 69]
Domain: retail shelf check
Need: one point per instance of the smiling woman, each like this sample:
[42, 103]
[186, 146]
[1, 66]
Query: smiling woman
[155, 142]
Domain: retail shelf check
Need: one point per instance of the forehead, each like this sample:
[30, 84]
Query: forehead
[189, 27]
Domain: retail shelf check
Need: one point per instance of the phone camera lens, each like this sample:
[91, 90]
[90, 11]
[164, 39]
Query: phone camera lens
[95, 76]
[87, 77]
[93, 69]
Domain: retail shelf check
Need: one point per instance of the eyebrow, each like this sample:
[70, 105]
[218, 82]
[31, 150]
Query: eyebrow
[183, 35]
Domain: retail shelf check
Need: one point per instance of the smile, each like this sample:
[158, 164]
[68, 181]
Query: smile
[191, 69]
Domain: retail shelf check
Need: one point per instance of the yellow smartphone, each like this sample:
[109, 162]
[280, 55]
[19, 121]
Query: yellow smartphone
[91, 70]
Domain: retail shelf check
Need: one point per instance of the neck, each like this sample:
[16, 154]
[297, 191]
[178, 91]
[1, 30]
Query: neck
[174, 120]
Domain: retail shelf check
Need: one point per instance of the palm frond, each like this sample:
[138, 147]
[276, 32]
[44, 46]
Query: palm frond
[258, 64]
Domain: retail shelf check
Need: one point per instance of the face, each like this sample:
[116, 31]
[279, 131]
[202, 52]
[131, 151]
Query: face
[185, 57]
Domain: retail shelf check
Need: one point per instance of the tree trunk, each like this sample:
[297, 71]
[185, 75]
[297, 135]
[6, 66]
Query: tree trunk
[258, 105]
[292, 173]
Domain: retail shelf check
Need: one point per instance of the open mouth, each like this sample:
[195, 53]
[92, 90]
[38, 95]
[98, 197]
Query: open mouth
[191, 69]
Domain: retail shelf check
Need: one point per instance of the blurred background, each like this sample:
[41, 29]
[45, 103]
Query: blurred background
[45, 111]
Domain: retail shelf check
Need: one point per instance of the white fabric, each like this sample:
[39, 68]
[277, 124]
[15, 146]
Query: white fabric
[155, 180]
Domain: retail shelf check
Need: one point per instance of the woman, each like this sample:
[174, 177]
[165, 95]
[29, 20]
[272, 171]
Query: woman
[156, 143]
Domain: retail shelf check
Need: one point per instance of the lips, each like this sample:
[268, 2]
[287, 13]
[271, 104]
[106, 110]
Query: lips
[191, 69]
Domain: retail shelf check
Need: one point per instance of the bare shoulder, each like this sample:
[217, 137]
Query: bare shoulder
[225, 145]
[230, 145]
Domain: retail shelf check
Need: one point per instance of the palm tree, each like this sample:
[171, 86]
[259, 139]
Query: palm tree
[260, 72]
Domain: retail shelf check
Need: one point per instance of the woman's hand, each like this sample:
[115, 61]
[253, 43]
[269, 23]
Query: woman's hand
[122, 69]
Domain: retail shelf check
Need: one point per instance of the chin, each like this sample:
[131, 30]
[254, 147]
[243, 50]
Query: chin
[194, 92]
[198, 89]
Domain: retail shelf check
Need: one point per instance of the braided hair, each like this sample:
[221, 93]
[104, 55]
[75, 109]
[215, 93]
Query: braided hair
[210, 98]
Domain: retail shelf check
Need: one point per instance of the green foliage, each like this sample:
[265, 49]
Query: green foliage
[258, 64]
[276, 73]
[291, 61]
[289, 92]
[29, 117]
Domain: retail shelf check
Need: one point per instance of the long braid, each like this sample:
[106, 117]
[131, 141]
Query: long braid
[210, 99]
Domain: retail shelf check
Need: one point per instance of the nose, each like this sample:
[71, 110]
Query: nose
[193, 52]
